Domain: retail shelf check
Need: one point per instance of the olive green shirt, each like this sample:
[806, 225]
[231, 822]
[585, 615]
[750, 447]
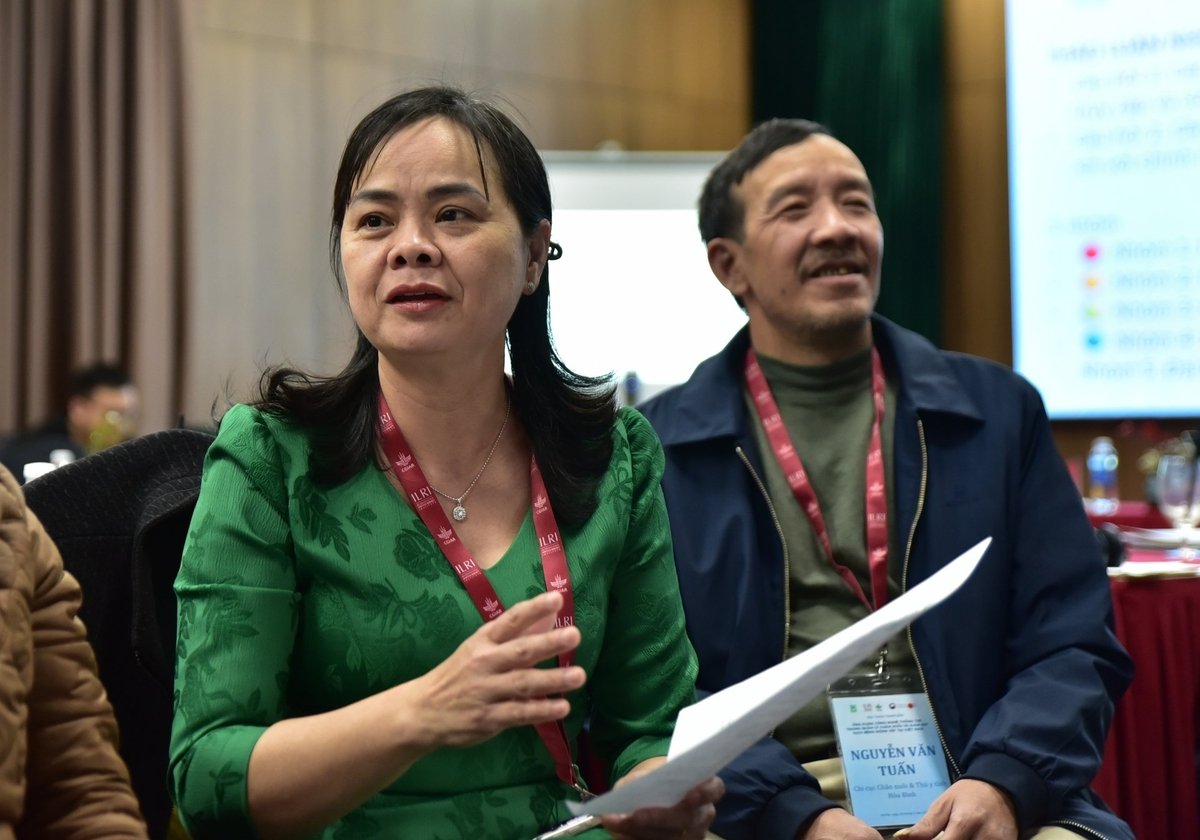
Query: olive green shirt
[828, 412]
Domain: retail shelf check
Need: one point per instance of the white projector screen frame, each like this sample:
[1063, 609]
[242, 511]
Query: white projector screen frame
[633, 290]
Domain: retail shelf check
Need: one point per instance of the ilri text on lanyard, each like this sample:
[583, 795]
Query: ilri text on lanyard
[554, 559]
[802, 489]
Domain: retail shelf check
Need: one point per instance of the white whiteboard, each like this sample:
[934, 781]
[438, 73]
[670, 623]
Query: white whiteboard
[633, 290]
[1104, 168]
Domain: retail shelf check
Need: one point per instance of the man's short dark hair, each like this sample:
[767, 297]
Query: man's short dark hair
[85, 380]
[721, 214]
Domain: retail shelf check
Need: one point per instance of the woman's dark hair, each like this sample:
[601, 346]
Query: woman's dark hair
[568, 417]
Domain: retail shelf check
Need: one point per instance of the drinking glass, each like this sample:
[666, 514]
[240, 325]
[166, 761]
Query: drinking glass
[1178, 486]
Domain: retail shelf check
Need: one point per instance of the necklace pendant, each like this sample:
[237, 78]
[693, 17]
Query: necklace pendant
[459, 513]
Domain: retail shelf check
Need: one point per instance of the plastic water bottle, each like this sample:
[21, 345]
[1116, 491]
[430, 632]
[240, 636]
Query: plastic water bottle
[61, 457]
[631, 388]
[1102, 497]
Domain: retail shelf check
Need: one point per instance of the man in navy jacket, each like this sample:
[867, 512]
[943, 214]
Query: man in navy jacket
[894, 458]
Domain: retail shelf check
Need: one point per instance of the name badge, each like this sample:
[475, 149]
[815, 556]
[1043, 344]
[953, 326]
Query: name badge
[891, 754]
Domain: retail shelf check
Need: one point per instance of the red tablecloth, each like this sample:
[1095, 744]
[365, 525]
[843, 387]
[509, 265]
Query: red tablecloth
[1149, 774]
[1132, 515]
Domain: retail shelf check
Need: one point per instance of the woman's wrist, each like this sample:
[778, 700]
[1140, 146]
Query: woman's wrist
[410, 731]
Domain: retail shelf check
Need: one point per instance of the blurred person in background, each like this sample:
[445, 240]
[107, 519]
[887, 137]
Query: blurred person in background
[101, 410]
[60, 774]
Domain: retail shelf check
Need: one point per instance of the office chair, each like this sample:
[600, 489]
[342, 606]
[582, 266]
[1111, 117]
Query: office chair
[119, 518]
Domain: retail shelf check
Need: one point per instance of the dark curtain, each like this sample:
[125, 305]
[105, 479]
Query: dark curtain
[872, 71]
[93, 242]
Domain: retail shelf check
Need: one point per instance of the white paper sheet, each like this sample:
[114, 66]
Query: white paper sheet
[1155, 569]
[1160, 537]
[713, 732]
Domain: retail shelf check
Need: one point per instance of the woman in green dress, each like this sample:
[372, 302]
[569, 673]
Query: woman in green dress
[407, 586]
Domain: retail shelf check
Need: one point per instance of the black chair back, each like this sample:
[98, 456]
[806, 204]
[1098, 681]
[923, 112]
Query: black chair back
[119, 518]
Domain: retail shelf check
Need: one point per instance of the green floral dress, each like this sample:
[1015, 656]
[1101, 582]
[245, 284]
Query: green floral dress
[296, 599]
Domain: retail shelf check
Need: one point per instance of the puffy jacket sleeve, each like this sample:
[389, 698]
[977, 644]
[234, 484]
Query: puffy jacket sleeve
[77, 786]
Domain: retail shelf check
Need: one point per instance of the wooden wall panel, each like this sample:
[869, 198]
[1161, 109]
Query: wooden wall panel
[975, 243]
[279, 84]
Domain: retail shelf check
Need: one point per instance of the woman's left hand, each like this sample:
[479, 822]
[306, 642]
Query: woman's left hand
[687, 819]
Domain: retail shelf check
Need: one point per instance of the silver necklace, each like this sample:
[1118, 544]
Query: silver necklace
[460, 512]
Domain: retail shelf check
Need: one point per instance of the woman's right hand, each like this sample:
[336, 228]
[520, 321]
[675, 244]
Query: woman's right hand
[306, 772]
[490, 683]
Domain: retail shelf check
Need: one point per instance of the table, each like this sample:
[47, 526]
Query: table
[1149, 772]
[1132, 514]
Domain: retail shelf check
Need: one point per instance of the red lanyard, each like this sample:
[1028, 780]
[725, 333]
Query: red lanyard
[797, 478]
[554, 560]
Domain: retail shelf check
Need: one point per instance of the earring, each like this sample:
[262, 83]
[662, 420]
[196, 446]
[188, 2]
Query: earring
[530, 286]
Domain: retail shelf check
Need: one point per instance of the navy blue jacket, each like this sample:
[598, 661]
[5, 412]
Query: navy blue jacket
[1022, 667]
